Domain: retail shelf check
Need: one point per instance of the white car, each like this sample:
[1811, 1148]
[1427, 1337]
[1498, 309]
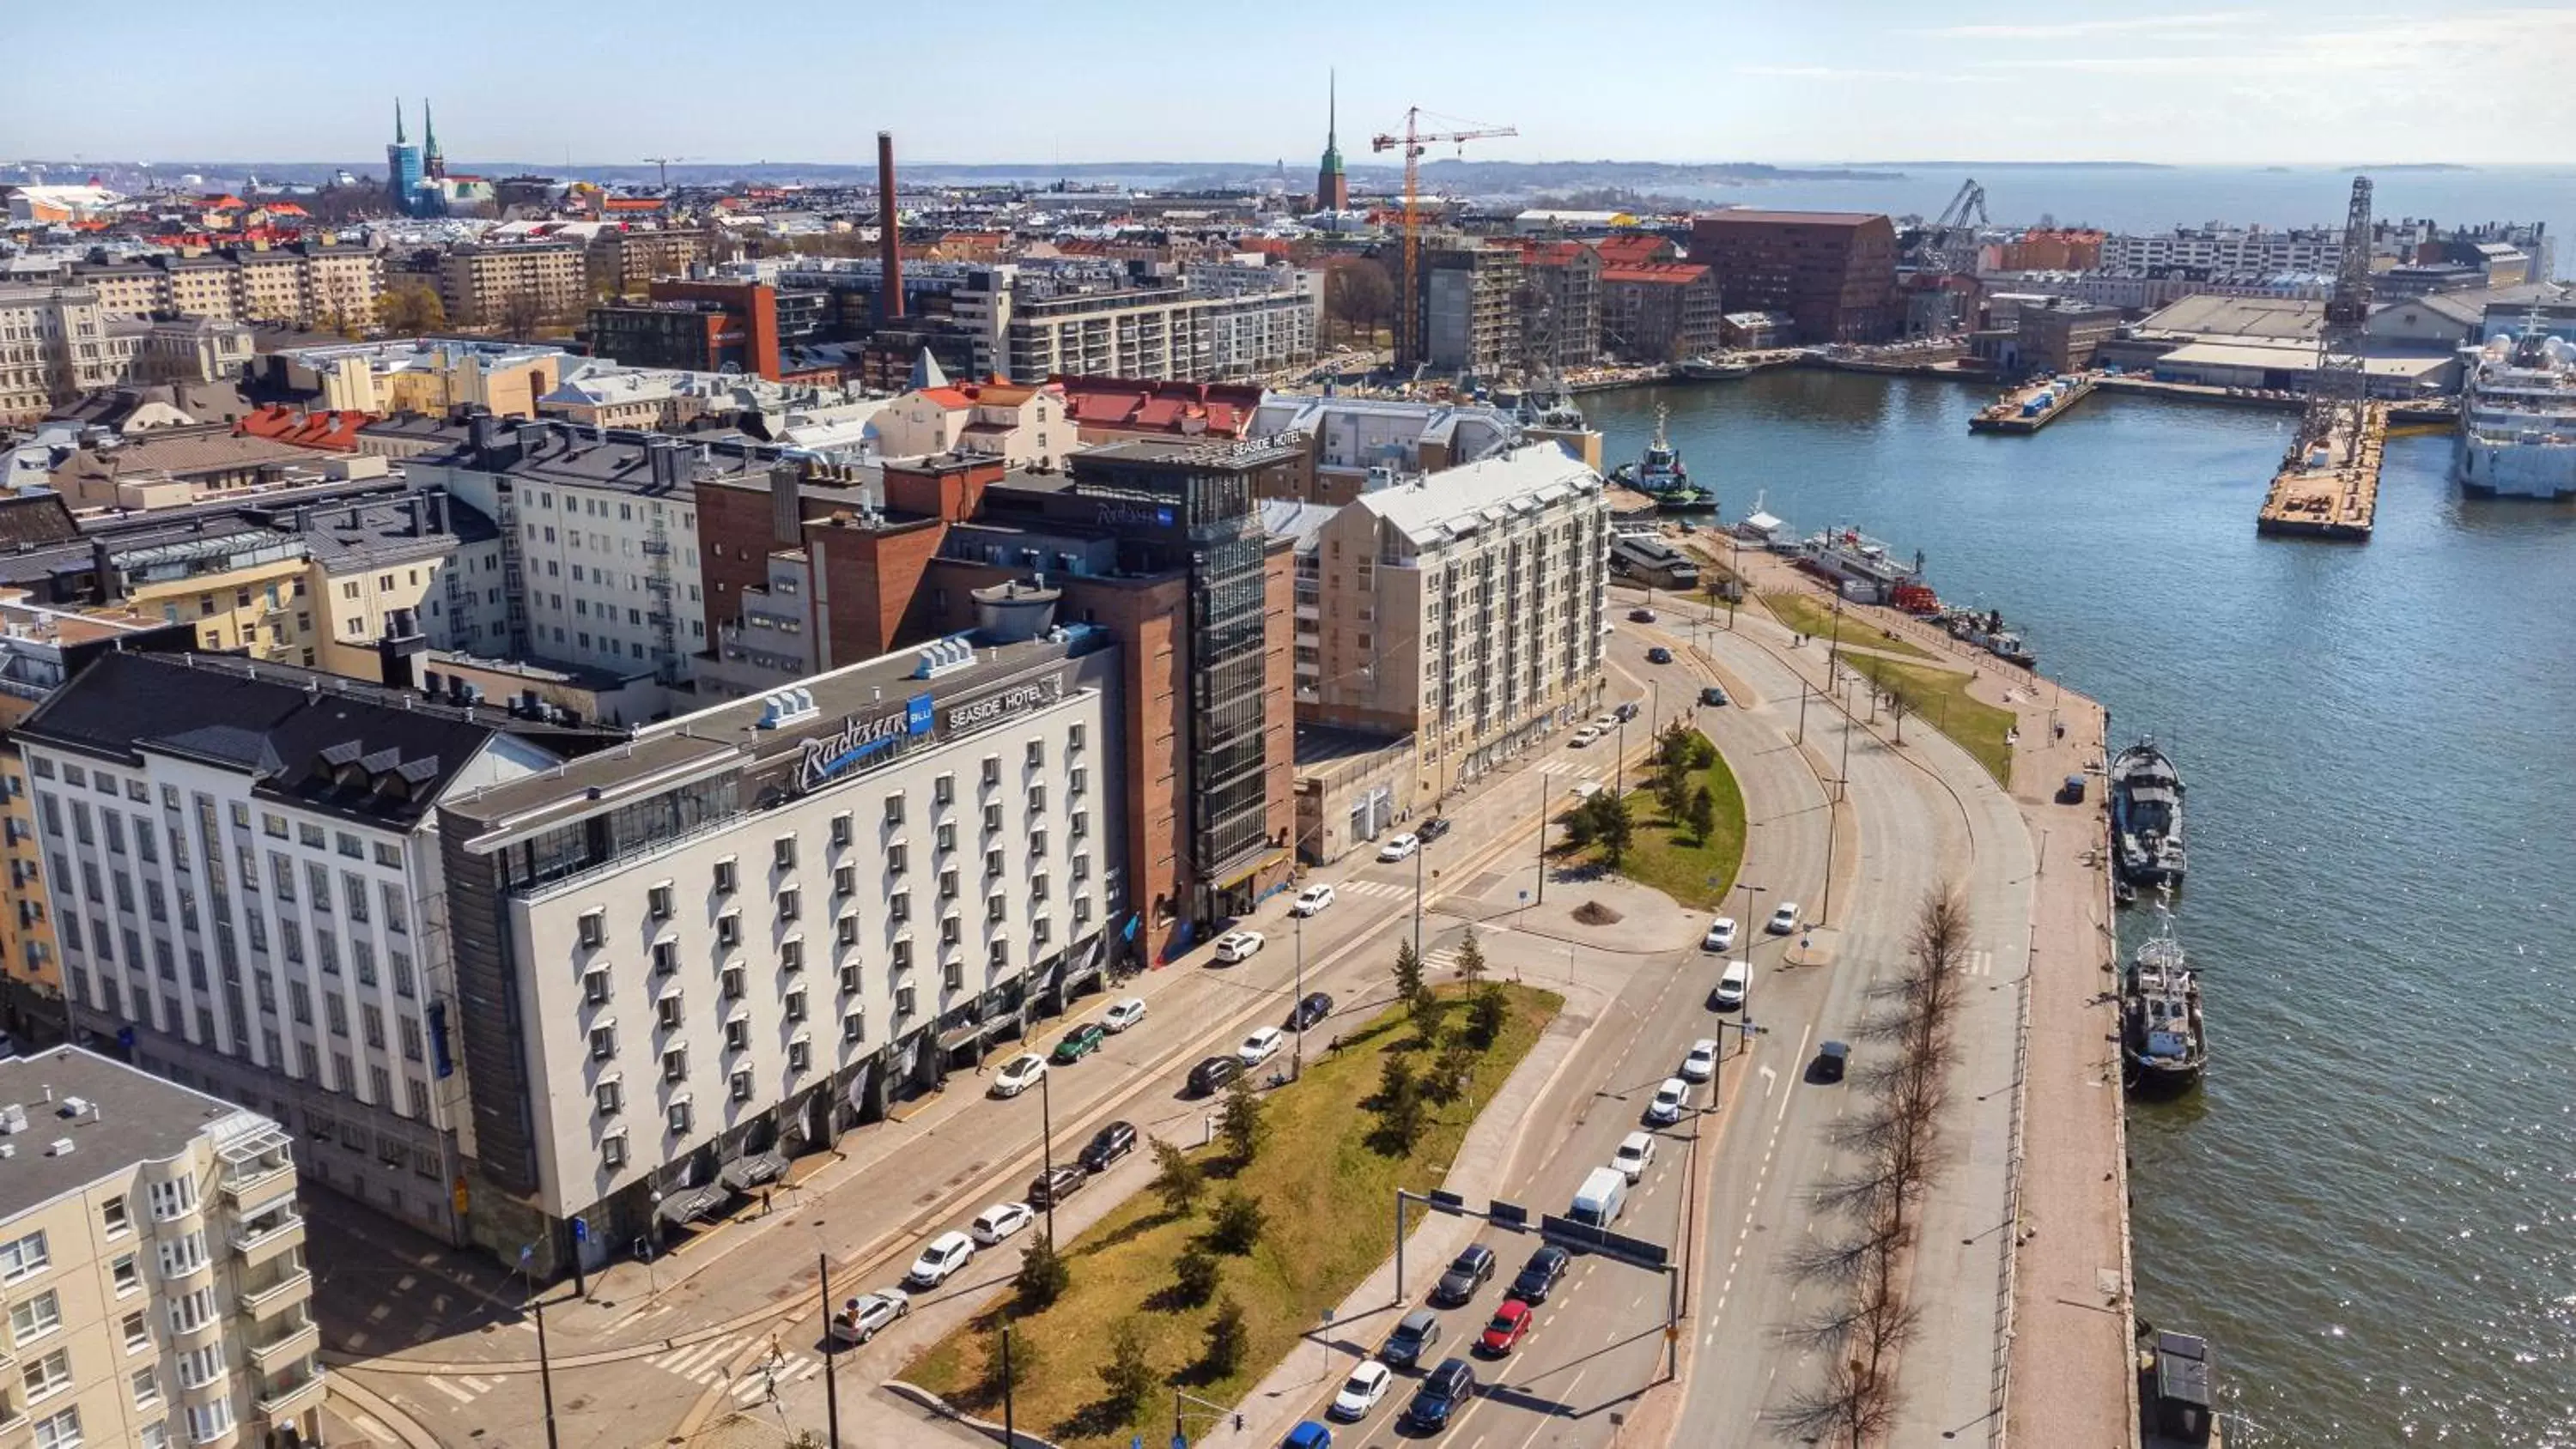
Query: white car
[1261, 1046]
[999, 1221]
[1361, 1391]
[1670, 1100]
[1585, 736]
[1721, 935]
[1124, 1014]
[1605, 722]
[1018, 1074]
[1784, 920]
[1731, 986]
[1312, 899]
[1701, 1064]
[1236, 946]
[1399, 847]
[1636, 1153]
[861, 1317]
[946, 1254]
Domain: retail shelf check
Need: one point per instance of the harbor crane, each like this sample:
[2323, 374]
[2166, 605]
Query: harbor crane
[1945, 264]
[1412, 142]
[664, 162]
[2337, 385]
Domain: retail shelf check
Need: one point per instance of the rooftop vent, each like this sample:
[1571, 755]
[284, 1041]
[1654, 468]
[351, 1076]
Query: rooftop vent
[72, 1107]
[944, 656]
[62, 1147]
[785, 707]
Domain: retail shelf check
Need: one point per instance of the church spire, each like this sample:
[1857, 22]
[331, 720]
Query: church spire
[428, 128]
[1332, 187]
[1332, 110]
[398, 126]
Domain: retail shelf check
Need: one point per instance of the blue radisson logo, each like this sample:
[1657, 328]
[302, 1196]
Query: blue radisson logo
[857, 739]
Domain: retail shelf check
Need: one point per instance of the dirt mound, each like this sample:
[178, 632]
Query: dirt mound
[1593, 913]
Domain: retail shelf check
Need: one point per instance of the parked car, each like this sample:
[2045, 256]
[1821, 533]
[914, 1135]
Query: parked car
[1721, 935]
[1606, 722]
[1442, 1391]
[1361, 1391]
[1470, 1270]
[946, 1254]
[1628, 709]
[999, 1221]
[1414, 1336]
[1018, 1074]
[1831, 1058]
[1784, 920]
[1434, 828]
[1399, 847]
[2071, 792]
[1108, 1145]
[1261, 1046]
[1731, 986]
[1701, 1064]
[1310, 1011]
[1080, 1042]
[1124, 1014]
[1539, 1276]
[1711, 694]
[1235, 946]
[1504, 1332]
[1636, 1153]
[1052, 1186]
[1641, 616]
[1670, 1099]
[1659, 655]
[861, 1317]
[1308, 1435]
[1585, 736]
[1210, 1076]
[1310, 900]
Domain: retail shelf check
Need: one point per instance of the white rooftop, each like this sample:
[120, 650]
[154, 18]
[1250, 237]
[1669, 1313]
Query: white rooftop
[1454, 503]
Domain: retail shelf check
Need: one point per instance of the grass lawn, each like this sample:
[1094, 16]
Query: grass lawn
[1664, 854]
[1330, 1198]
[1815, 619]
[1939, 697]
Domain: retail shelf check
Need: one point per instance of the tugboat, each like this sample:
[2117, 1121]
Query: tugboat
[2146, 816]
[2160, 1035]
[1711, 369]
[1661, 475]
[1985, 629]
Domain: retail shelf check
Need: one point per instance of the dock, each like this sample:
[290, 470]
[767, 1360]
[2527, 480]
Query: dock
[2329, 486]
[2027, 410]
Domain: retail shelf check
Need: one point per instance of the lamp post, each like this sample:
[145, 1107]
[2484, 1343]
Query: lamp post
[1010, 1422]
[1542, 844]
[1046, 1145]
[1619, 762]
[1297, 1013]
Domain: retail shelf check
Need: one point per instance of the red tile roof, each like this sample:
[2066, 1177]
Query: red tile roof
[1675, 274]
[332, 432]
[1185, 408]
[1551, 254]
[1632, 249]
[948, 397]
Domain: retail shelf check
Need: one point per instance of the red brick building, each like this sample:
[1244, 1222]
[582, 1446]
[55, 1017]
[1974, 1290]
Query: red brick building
[1832, 272]
[697, 326]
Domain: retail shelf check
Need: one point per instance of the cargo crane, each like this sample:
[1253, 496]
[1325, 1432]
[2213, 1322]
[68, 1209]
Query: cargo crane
[1945, 263]
[1412, 142]
[2338, 387]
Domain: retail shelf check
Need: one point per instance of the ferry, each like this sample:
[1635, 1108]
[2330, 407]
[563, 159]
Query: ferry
[1861, 568]
[1711, 369]
[2518, 417]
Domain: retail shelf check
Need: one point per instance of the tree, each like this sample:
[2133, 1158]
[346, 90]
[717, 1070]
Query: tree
[1703, 814]
[1240, 1121]
[1897, 710]
[1408, 972]
[1228, 1337]
[1611, 828]
[1672, 792]
[1673, 746]
[1179, 1180]
[1400, 1110]
[1043, 1275]
[1425, 1011]
[409, 309]
[1238, 1222]
[1359, 294]
[1486, 1013]
[1025, 1362]
[1194, 1276]
[1395, 1079]
[1452, 1071]
[521, 314]
[1577, 824]
[1471, 958]
[1129, 1375]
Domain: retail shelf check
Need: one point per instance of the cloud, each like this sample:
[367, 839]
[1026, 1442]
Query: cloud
[2075, 29]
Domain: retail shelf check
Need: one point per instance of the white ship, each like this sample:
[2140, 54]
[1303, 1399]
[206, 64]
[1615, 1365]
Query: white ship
[2518, 417]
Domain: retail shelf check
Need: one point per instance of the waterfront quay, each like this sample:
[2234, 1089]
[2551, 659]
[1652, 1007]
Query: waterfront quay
[2026, 410]
[2329, 486]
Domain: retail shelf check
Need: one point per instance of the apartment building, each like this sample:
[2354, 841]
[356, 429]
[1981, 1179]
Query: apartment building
[58, 343]
[1019, 425]
[1468, 309]
[1163, 329]
[1832, 272]
[1661, 311]
[152, 1257]
[1463, 608]
[308, 284]
[624, 262]
[431, 376]
[1561, 305]
[688, 959]
[250, 893]
[521, 284]
[1353, 444]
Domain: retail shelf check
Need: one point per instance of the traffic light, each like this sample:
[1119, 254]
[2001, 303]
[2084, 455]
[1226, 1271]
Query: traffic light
[1238, 1423]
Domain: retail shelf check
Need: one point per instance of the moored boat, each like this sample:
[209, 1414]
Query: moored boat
[2161, 1044]
[2146, 816]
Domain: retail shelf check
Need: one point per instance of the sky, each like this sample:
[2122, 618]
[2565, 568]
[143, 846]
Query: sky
[1119, 80]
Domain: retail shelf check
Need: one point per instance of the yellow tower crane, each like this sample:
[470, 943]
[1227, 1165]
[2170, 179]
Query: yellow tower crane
[1407, 346]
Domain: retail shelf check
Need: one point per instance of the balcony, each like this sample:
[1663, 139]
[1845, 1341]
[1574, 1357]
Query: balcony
[255, 1163]
[271, 1233]
[276, 1292]
[287, 1346]
[286, 1395]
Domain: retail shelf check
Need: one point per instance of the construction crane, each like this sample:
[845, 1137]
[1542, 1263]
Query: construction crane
[1412, 142]
[2337, 387]
[1945, 264]
[664, 162]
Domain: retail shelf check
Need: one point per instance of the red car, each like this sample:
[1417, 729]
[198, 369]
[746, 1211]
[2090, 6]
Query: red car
[1511, 1324]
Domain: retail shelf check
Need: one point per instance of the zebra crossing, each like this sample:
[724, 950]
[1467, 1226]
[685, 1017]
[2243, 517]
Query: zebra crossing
[463, 1388]
[1981, 963]
[1382, 889]
[703, 1364]
[1567, 767]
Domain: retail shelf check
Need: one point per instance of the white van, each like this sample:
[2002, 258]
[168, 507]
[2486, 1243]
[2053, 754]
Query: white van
[1731, 986]
[1598, 1202]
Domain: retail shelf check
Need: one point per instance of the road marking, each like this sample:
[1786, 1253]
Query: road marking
[1770, 1078]
[444, 1387]
[369, 1427]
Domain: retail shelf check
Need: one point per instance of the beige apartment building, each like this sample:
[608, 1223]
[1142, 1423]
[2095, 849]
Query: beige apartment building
[152, 1258]
[1464, 608]
[488, 284]
[58, 342]
[624, 263]
[307, 284]
[420, 375]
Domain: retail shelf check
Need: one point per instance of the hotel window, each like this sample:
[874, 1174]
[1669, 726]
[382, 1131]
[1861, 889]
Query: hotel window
[948, 885]
[1040, 931]
[666, 957]
[788, 902]
[898, 857]
[729, 930]
[903, 1001]
[995, 908]
[1037, 799]
[1037, 887]
[992, 769]
[1037, 753]
[731, 981]
[903, 954]
[850, 979]
[782, 852]
[1037, 845]
[667, 1010]
[854, 1026]
[740, 1085]
[800, 1055]
[841, 828]
[594, 928]
[993, 864]
[675, 1064]
[657, 901]
[947, 837]
[846, 930]
[1073, 737]
[679, 1118]
[998, 954]
[603, 1041]
[612, 1149]
[845, 880]
[992, 818]
[943, 790]
[737, 1035]
[1076, 780]
[725, 876]
[594, 985]
[796, 1004]
[899, 906]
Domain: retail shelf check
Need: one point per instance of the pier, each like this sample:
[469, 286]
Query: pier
[2029, 409]
[2329, 486]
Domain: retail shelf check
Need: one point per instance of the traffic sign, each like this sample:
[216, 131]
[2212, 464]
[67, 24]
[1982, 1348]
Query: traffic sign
[580, 1230]
[1508, 1214]
[1446, 1202]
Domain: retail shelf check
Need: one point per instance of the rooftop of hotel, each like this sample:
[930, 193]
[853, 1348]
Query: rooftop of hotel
[123, 1118]
[1455, 503]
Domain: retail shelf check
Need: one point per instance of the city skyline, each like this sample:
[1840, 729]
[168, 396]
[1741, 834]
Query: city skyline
[2368, 84]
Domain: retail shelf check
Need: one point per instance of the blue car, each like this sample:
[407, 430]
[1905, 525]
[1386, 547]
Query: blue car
[1447, 1387]
[1308, 1435]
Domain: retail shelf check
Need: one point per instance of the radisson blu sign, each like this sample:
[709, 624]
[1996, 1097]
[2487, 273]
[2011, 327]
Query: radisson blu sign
[828, 755]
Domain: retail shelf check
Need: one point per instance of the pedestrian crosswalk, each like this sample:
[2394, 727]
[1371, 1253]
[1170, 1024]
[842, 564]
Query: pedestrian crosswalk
[1981, 963]
[463, 1388]
[1382, 889]
[1568, 767]
[1440, 961]
[704, 1364]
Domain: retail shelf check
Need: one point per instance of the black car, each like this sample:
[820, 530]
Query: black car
[1712, 695]
[1831, 1058]
[1626, 711]
[1210, 1076]
[1446, 1387]
[1050, 1188]
[1538, 1277]
[1659, 655]
[1641, 616]
[1470, 1270]
[1417, 1333]
[1108, 1145]
[1312, 1010]
[1433, 828]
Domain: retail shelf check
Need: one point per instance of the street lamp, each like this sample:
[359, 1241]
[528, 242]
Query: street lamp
[1744, 936]
[1297, 1012]
[1046, 1146]
[1619, 762]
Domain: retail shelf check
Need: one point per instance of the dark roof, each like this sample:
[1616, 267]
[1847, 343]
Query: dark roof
[140, 1118]
[328, 743]
[1797, 218]
[35, 520]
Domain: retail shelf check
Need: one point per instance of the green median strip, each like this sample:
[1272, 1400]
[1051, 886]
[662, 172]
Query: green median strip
[1857, 627]
[1940, 698]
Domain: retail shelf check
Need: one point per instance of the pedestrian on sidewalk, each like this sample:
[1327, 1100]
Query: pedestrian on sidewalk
[764, 1202]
